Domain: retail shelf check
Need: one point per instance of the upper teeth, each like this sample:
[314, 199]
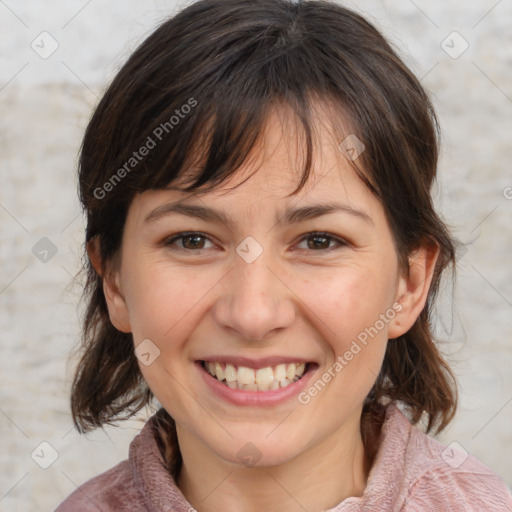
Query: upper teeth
[263, 379]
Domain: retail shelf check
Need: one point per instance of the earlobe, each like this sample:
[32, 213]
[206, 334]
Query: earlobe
[114, 298]
[116, 303]
[413, 289]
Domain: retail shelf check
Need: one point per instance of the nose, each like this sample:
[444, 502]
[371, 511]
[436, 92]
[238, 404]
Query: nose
[255, 301]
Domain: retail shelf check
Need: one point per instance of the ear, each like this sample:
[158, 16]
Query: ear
[413, 289]
[93, 251]
[114, 298]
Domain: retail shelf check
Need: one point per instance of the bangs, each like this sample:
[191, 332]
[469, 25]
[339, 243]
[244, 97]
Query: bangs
[232, 138]
[219, 136]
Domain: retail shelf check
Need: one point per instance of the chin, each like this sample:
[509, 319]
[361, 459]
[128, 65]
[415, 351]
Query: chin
[265, 453]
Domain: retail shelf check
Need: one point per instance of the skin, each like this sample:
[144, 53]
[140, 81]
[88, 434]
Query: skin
[293, 299]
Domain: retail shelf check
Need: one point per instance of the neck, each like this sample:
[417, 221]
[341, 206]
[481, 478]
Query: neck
[210, 483]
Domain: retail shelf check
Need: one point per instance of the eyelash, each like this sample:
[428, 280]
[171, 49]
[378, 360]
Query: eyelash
[312, 234]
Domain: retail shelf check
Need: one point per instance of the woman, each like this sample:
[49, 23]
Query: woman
[263, 259]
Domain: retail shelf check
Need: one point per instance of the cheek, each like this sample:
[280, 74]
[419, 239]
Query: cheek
[354, 326]
[349, 302]
[162, 298]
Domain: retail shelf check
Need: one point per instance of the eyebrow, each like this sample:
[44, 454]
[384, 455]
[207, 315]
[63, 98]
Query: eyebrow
[289, 216]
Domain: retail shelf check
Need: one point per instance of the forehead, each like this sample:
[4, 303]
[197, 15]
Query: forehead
[274, 167]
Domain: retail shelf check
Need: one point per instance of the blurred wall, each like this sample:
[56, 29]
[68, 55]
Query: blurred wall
[57, 58]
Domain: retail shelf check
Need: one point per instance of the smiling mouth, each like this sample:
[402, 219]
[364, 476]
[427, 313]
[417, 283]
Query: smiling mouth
[270, 378]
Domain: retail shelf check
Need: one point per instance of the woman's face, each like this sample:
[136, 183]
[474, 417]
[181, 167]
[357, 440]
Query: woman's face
[263, 300]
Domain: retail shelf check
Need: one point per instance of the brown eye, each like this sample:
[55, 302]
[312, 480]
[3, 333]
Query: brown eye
[193, 242]
[189, 241]
[321, 241]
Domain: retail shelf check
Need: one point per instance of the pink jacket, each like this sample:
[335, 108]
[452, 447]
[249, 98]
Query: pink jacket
[411, 472]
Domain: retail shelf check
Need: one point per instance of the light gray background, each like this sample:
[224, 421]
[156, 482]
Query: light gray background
[45, 105]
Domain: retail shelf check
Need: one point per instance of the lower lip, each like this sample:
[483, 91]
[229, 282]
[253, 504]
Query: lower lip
[255, 398]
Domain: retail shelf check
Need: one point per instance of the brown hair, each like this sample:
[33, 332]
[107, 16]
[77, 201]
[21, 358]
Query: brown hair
[203, 83]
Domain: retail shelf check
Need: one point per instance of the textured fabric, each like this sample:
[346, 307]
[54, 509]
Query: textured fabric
[412, 472]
